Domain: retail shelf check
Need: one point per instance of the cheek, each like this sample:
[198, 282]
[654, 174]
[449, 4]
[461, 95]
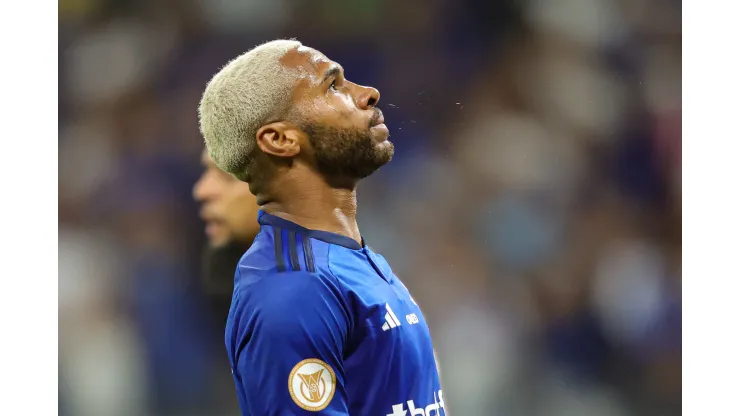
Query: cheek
[347, 102]
[339, 110]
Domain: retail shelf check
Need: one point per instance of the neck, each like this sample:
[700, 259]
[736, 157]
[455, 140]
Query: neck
[317, 206]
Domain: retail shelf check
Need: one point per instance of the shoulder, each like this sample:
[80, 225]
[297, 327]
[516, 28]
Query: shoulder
[270, 292]
[290, 306]
[260, 255]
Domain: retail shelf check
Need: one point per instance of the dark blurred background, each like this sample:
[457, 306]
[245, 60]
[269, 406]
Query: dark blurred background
[533, 207]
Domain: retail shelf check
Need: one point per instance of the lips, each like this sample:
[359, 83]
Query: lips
[209, 216]
[377, 119]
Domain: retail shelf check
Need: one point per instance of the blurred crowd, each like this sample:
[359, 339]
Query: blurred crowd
[533, 207]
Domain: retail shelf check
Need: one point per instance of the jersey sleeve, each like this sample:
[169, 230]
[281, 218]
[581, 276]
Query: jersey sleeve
[290, 351]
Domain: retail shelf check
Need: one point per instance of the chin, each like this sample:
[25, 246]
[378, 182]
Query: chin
[219, 242]
[385, 145]
[386, 150]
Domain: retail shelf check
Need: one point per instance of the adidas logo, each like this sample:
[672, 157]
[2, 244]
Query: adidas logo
[391, 321]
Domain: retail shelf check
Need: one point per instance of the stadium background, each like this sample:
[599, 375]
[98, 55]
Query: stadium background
[533, 207]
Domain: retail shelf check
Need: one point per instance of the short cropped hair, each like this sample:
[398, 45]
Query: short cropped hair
[247, 93]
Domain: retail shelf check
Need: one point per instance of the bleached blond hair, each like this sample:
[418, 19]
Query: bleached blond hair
[249, 92]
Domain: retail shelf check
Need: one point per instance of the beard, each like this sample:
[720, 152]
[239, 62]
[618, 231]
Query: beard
[347, 153]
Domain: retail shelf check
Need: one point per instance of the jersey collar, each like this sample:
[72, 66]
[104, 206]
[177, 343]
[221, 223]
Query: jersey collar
[325, 236]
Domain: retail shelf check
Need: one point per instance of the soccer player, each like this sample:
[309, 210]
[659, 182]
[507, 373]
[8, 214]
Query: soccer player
[230, 213]
[319, 324]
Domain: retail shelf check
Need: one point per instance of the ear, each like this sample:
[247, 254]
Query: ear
[279, 139]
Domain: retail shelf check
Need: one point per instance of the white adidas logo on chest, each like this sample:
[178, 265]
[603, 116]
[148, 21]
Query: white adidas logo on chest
[391, 320]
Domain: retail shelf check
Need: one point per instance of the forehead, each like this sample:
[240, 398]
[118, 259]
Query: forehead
[311, 63]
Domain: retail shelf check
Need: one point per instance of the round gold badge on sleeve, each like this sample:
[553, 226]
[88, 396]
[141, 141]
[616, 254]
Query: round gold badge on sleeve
[311, 384]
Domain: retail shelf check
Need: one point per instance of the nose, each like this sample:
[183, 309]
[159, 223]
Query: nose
[368, 98]
[201, 189]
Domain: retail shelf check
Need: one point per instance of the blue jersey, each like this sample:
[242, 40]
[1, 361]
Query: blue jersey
[319, 324]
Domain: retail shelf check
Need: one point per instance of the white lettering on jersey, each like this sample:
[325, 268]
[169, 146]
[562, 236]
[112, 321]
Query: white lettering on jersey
[433, 409]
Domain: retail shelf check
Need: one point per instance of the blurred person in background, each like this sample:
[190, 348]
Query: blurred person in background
[229, 211]
[314, 322]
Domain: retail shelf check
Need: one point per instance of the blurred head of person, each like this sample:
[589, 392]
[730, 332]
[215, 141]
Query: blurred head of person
[283, 118]
[229, 211]
[228, 208]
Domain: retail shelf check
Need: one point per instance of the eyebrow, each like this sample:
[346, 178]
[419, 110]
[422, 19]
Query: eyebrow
[333, 71]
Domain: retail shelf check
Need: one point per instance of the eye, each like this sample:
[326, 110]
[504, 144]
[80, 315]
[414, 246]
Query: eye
[333, 85]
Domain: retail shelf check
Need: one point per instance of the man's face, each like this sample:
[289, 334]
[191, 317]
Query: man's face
[227, 206]
[346, 130]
